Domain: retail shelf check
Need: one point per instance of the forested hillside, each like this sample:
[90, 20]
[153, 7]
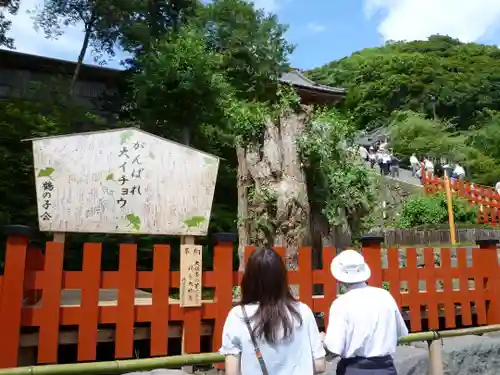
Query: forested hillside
[451, 88]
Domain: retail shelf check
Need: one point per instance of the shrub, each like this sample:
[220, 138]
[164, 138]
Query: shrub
[432, 211]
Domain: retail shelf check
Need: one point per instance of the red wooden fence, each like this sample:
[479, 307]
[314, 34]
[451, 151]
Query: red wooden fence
[485, 198]
[51, 316]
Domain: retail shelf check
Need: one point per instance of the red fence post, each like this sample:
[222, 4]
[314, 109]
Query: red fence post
[372, 252]
[491, 278]
[223, 269]
[11, 296]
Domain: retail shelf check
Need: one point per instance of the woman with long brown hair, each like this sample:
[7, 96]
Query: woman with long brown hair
[269, 332]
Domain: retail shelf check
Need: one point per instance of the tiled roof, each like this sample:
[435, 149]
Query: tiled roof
[296, 78]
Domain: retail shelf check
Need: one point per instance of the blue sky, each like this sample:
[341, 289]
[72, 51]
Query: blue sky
[326, 30]
[322, 30]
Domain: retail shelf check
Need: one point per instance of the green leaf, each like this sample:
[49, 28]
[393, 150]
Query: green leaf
[46, 172]
[110, 177]
[134, 221]
[125, 136]
[194, 221]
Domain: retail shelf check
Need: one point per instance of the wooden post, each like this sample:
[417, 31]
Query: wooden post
[190, 284]
[449, 201]
[190, 273]
[435, 357]
[490, 278]
[372, 252]
[59, 237]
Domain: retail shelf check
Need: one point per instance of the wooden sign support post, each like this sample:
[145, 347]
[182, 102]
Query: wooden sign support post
[59, 237]
[190, 281]
[449, 201]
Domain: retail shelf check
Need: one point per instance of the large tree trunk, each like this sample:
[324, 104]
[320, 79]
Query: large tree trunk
[273, 205]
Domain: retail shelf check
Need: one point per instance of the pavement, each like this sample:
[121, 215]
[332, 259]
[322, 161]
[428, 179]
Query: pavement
[405, 176]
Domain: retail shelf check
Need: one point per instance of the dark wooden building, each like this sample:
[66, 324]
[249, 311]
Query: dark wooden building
[18, 70]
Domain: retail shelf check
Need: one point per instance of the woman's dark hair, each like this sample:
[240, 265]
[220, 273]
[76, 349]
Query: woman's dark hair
[265, 282]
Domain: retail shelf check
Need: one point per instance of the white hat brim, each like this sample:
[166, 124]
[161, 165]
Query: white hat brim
[359, 277]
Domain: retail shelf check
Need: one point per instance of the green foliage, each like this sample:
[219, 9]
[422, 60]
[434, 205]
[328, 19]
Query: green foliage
[476, 150]
[432, 211]
[462, 77]
[5, 24]
[344, 187]
[139, 30]
[252, 44]
[180, 86]
[246, 119]
[412, 132]
[486, 137]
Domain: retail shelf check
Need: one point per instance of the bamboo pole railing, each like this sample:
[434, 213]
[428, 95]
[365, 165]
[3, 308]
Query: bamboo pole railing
[124, 366]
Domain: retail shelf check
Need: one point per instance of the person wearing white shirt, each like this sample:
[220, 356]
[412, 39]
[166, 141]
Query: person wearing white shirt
[363, 153]
[459, 172]
[414, 164]
[372, 157]
[269, 332]
[429, 166]
[386, 163]
[365, 323]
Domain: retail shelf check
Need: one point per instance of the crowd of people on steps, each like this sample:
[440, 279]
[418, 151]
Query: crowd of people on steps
[378, 154]
[389, 163]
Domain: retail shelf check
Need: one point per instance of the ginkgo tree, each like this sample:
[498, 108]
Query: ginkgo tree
[100, 21]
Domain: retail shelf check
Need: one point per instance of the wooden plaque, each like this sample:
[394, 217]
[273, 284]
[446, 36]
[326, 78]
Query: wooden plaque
[190, 275]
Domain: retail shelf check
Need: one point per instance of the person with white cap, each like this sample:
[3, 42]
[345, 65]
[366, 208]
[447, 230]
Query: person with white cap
[364, 323]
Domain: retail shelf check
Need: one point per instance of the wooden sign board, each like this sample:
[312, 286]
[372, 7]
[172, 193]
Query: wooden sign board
[190, 276]
[123, 181]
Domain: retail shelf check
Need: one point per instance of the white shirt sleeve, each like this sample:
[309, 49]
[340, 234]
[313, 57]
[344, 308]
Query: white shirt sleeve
[318, 351]
[231, 343]
[336, 331]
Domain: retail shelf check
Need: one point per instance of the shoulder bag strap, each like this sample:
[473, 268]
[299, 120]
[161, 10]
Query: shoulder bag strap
[258, 354]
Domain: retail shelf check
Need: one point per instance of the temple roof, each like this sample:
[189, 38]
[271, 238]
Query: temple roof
[296, 78]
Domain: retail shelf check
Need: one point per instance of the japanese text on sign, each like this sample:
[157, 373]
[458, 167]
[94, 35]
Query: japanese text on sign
[130, 172]
[48, 188]
[191, 271]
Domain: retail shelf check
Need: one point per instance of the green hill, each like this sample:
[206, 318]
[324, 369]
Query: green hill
[464, 78]
[453, 87]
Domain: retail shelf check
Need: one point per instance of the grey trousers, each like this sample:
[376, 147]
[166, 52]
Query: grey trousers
[366, 366]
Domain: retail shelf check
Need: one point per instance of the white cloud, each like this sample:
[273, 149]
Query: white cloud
[467, 20]
[315, 28]
[29, 40]
[271, 6]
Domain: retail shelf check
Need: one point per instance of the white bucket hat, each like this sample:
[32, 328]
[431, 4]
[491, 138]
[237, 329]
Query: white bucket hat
[350, 267]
